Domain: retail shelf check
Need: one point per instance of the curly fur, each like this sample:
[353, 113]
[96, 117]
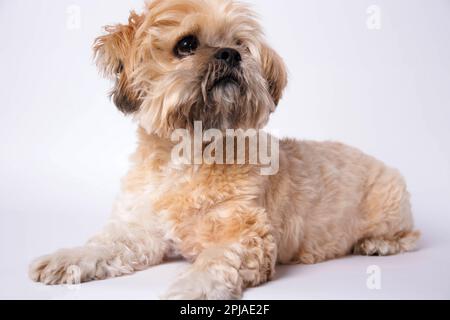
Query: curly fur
[327, 200]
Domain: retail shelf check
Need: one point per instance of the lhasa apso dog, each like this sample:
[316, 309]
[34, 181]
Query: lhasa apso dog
[187, 61]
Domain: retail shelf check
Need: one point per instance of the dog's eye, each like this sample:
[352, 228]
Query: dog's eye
[186, 46]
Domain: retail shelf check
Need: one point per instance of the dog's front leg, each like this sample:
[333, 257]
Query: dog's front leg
[121, 248]
[226, 266]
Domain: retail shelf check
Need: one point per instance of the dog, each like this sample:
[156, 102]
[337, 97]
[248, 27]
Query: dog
[186, 61]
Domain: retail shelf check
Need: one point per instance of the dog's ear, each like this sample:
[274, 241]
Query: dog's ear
[113, 53]
[274, 71]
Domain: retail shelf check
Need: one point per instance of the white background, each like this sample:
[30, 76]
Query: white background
[64, 146]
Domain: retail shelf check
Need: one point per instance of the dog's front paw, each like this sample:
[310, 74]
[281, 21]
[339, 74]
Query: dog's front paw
[196, 285]
[73, 266]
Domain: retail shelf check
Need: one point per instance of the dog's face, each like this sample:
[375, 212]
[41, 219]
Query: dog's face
[192, 60]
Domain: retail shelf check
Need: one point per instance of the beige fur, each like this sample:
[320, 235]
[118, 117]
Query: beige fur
[234, 224]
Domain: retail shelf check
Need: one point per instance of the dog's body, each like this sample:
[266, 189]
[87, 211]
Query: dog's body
[327, 200]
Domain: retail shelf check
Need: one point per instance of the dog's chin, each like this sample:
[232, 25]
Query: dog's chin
[232, 104]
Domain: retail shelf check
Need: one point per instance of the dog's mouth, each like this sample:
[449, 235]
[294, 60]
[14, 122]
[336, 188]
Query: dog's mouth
[219, 78]
[225, 80]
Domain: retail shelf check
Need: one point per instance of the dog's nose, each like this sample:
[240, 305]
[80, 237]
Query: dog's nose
[230, 56]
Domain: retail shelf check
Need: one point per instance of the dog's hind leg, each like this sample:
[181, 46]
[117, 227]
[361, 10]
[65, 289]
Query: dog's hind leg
[388, 223]
[383, 246]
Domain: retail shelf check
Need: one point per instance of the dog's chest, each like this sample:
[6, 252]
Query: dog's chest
[196, 208]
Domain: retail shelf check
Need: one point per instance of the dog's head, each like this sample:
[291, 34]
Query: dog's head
[192, 60]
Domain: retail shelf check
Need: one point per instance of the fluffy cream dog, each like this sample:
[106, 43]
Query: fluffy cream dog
[206, 60]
